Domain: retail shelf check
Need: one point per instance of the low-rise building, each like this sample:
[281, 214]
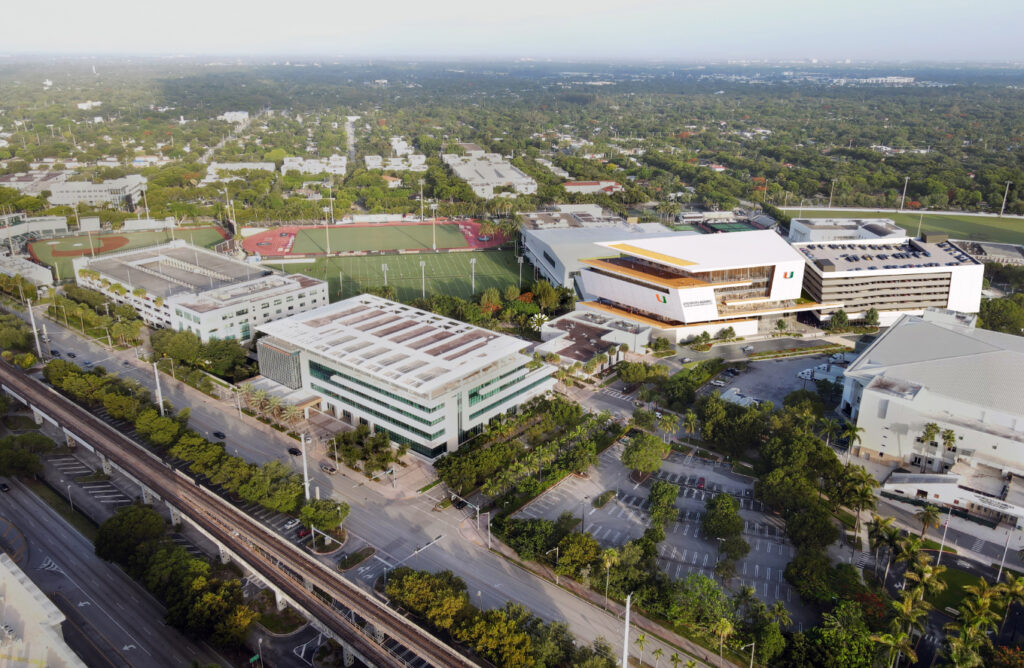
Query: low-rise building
[684, 284]
[234, 116]
[124, 193]
[427, 381]
[13, 265]
[487, 173]
[940, 369]
[336, 164]
[592, 187]
[843, 229]
[34, 182]
[186, 288]
[892, 276]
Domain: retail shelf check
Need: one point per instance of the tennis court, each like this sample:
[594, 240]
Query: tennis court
[445, 273]
[67, 248]
[732, 227]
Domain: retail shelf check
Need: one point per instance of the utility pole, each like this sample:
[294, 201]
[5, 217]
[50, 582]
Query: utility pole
[305, 465]
[159, 394]
[903, 199]
[1005, 194]
[625, 635]
[35, 332]
[942, 545]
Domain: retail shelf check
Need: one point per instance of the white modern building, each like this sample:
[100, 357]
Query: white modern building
[336, 164]
[234, 116]
[411, 162]
[186, 288]
[17, 224]
[485, 172]
[557, 243]
[124, 193]
[30, 271]
[593, 187]
[892, 276]
[34, 182]
[30, 624]
[842, 229]
[938, 368]
[428, 381]
[213, 171]
[684, 284]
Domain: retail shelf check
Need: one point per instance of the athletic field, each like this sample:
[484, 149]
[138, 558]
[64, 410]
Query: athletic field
[367, 237]
[60, 252]
[446, 273]
[966, 226]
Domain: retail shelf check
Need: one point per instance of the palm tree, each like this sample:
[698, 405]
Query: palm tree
[899, 643]
[690, 423]
[948, 439]
[892, 539]
[830, 428]
[929, 432]
[928, 578]
[259, 399]
[668, 423]
[657, 654]
[1013, 592]
[962, 645]
[851, 433]
[860, 496]
[909, 610]
[609, 558]
[723, 629]
[910, 552]
[640, 641]
[876, 534]
[290, 413]
[274, 405]
[780, 614]
[929, 516]
[675, 659]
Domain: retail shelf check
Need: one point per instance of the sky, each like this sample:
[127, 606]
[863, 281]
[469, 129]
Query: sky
[599, 30]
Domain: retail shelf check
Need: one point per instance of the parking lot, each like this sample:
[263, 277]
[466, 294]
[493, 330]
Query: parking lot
[770, 380]
[684, 550]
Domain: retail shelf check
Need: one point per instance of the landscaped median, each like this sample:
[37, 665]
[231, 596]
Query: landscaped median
[797, 352]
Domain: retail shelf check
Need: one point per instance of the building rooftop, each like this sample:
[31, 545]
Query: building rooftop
[881, 254]
[710, 252]
[942, 357]
[879, 227]
[421, 352]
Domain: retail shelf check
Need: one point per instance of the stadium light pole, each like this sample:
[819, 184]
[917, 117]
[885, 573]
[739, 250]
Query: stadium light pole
[423, 278]
[903, 199]
[341, 286]
[1005, 194]
[433, 224]
[421, 200]
[520, 259]
[472, 271]
[384, 268]
[831, 192]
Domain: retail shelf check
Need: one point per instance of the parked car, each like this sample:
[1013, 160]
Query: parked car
[72, 355]
[459, 504]
[294, 452]
[329, 469]
[700, 483]
[748, 349]
[303, 532]
[219, 434]
[718, 383]
[291, 524]
[55, 353]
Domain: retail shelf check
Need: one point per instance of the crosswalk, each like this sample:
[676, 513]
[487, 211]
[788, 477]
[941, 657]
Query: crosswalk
[979, 545]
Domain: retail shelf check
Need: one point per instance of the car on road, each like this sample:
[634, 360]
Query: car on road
[219, 434]
[700, 483]
[459, 504]
[290, 524]
[294, 452]
[72, 355]
[303, 532]
[55, 353]
[329, 469]
[4, 487]
[718, 383]
[686, 360]
[126, 363]
[748, 349]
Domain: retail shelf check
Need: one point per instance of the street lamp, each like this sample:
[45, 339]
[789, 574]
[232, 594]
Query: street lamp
[520, 260]
[555, 550]
[903, 199]
[423, 278]
[472, 269]
[751, 646]
[433, 221]
[384, 268]
[1005, 194]
[831, 192]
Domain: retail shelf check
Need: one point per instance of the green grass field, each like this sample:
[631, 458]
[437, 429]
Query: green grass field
[43, 250]
[378, 237]
[446, 273]
[975, 228]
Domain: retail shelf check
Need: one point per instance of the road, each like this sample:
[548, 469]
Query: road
[112, 620]
[276, 560]
[395, 527]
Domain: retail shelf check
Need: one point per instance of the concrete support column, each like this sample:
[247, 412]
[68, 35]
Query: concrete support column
[105, 463]
[175, 514]
[347, 657]
[224, 556]
[37, 416]
[278, 597]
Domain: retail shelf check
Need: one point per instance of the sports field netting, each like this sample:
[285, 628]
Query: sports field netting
[446, 273]
[381, 237]
[43, 249]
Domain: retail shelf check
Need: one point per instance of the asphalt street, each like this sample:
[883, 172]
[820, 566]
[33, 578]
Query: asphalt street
[111, 620]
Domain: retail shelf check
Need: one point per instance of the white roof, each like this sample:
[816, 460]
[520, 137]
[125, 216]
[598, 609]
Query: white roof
[709, 252]
[971, 365]
[415, 350]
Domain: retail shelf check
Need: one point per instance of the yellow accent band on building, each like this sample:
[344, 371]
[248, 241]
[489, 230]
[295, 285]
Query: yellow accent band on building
[652, 255]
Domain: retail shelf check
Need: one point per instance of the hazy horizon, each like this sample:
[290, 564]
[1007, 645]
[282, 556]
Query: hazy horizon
[914, 31]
